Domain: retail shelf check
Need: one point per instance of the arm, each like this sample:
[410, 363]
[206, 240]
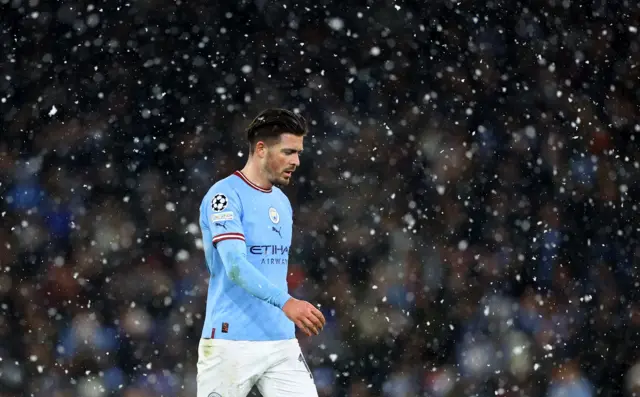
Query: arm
[233, 253]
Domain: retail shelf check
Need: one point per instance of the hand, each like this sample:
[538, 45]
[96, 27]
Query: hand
[304, 315]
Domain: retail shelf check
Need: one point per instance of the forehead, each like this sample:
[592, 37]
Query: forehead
[291, 141]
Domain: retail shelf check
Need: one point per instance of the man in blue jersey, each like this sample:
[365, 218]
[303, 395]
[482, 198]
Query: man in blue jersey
[248, 336]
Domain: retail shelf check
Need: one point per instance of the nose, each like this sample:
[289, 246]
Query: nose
[295, 160]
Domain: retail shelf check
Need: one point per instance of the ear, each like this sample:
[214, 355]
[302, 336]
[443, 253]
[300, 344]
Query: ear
[261, 148]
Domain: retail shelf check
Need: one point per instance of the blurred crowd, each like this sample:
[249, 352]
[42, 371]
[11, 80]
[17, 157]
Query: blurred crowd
[466, 210]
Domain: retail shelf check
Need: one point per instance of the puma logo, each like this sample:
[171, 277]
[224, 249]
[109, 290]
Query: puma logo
[276, 230]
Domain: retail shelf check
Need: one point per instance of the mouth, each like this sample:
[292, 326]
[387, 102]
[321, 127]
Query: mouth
[288, 173]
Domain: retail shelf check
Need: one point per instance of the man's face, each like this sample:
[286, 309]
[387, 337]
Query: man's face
[282, 158]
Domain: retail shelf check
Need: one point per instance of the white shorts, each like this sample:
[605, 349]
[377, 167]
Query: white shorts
[228, 368]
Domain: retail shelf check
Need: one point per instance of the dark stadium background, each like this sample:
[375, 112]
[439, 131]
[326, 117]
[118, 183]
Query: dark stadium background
[466, 209]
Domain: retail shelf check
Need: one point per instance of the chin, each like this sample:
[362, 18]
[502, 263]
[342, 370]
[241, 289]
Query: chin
[283, 181]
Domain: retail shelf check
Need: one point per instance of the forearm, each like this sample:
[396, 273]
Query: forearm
[243, 273]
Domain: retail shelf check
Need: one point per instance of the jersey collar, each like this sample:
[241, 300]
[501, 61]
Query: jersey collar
[240, 175]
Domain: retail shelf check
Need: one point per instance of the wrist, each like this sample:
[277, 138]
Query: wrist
[284, 298]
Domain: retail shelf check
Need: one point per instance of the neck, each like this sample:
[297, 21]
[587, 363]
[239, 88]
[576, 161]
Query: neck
[254, 173]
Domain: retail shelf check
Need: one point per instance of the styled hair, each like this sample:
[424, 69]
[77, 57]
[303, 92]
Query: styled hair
[271, 123]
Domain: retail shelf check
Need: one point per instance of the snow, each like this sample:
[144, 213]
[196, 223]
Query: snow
[458, 156]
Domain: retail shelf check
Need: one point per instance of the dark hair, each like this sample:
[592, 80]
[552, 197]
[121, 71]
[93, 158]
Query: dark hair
[270, 123]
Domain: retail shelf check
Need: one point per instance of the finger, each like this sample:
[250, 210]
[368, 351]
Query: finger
[303, 328]
[309, 324]
[320, 316]
[317, 314]
[313, 317]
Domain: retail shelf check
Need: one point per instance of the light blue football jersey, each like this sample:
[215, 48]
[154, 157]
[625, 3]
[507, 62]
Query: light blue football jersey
[236, 210]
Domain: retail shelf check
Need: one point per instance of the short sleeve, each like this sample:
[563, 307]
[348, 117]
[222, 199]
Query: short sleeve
[224, 215]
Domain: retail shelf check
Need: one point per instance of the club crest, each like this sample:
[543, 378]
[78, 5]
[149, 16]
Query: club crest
[273, 215]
